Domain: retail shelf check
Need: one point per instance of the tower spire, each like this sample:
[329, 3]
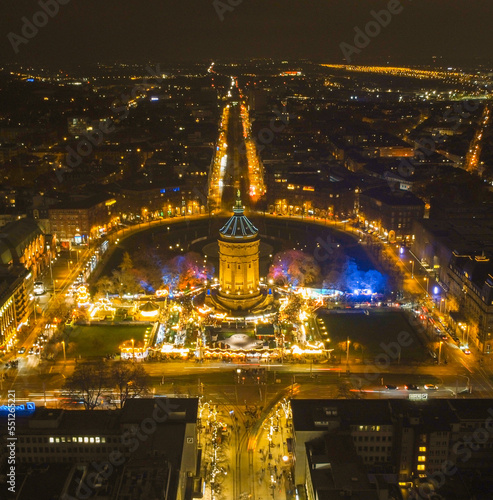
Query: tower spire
[238, 208]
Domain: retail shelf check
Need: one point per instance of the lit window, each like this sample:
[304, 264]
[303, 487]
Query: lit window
[80, 439]
[51, 440]
[63, 439]
[74, 439]
[86, 439]
[98, 440]
[422, 448]
[103, 440]
[421, 467]
[421, 458]
[57, 440]
[91, 440]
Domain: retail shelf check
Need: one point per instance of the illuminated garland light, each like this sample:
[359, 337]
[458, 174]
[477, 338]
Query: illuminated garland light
[171, 349]
[149, 314]
[103, 305]
[149, 310]
[129, 352]
[83, 297]
[298, 351]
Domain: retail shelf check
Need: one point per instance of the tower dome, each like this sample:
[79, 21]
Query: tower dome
[238, 226]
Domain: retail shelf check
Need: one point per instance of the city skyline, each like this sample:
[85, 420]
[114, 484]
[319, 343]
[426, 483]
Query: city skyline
[418, 32]
[255, 236]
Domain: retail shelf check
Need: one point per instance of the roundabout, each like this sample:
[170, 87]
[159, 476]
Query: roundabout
[237, 298]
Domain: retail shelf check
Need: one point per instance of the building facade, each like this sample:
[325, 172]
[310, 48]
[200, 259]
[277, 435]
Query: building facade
[167, 452]
[79, 221]
[400, 441]
[459, 253]
[23, 243]
[390, 213]
[16, 288]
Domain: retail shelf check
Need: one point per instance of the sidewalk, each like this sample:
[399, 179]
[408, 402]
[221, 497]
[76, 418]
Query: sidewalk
[272, 461]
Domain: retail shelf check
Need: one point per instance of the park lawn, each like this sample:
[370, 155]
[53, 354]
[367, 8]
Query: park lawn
[100, 340]
[371, 331]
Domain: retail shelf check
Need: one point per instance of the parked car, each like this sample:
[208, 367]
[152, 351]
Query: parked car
[22, 350]
[412, 387]
[39, 288]
[391, 387]
[430, 387]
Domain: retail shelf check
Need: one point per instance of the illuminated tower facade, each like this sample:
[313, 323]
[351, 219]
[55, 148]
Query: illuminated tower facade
[239, 262]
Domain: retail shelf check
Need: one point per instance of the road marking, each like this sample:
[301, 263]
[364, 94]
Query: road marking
[465, 366]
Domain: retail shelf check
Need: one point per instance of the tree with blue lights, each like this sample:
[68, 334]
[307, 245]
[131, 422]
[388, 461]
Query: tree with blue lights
[183, 272]
[353, 280]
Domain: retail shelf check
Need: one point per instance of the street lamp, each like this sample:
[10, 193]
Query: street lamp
[63, 345]
[427, 284]
[440, 352]
[35, 301]
[347, 354]
[51, 269]
[412, 268]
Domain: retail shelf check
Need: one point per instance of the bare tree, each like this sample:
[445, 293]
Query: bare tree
[105, 285]
[87, 383]
[130, 379]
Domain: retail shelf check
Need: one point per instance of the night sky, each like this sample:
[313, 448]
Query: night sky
[86, 31]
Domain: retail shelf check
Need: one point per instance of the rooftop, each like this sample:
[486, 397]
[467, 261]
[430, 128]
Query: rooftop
[464, 235]
[336, 469]
[238, 226]
[311, 414]
[82, 203]
[16, 236]
[392, 198]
